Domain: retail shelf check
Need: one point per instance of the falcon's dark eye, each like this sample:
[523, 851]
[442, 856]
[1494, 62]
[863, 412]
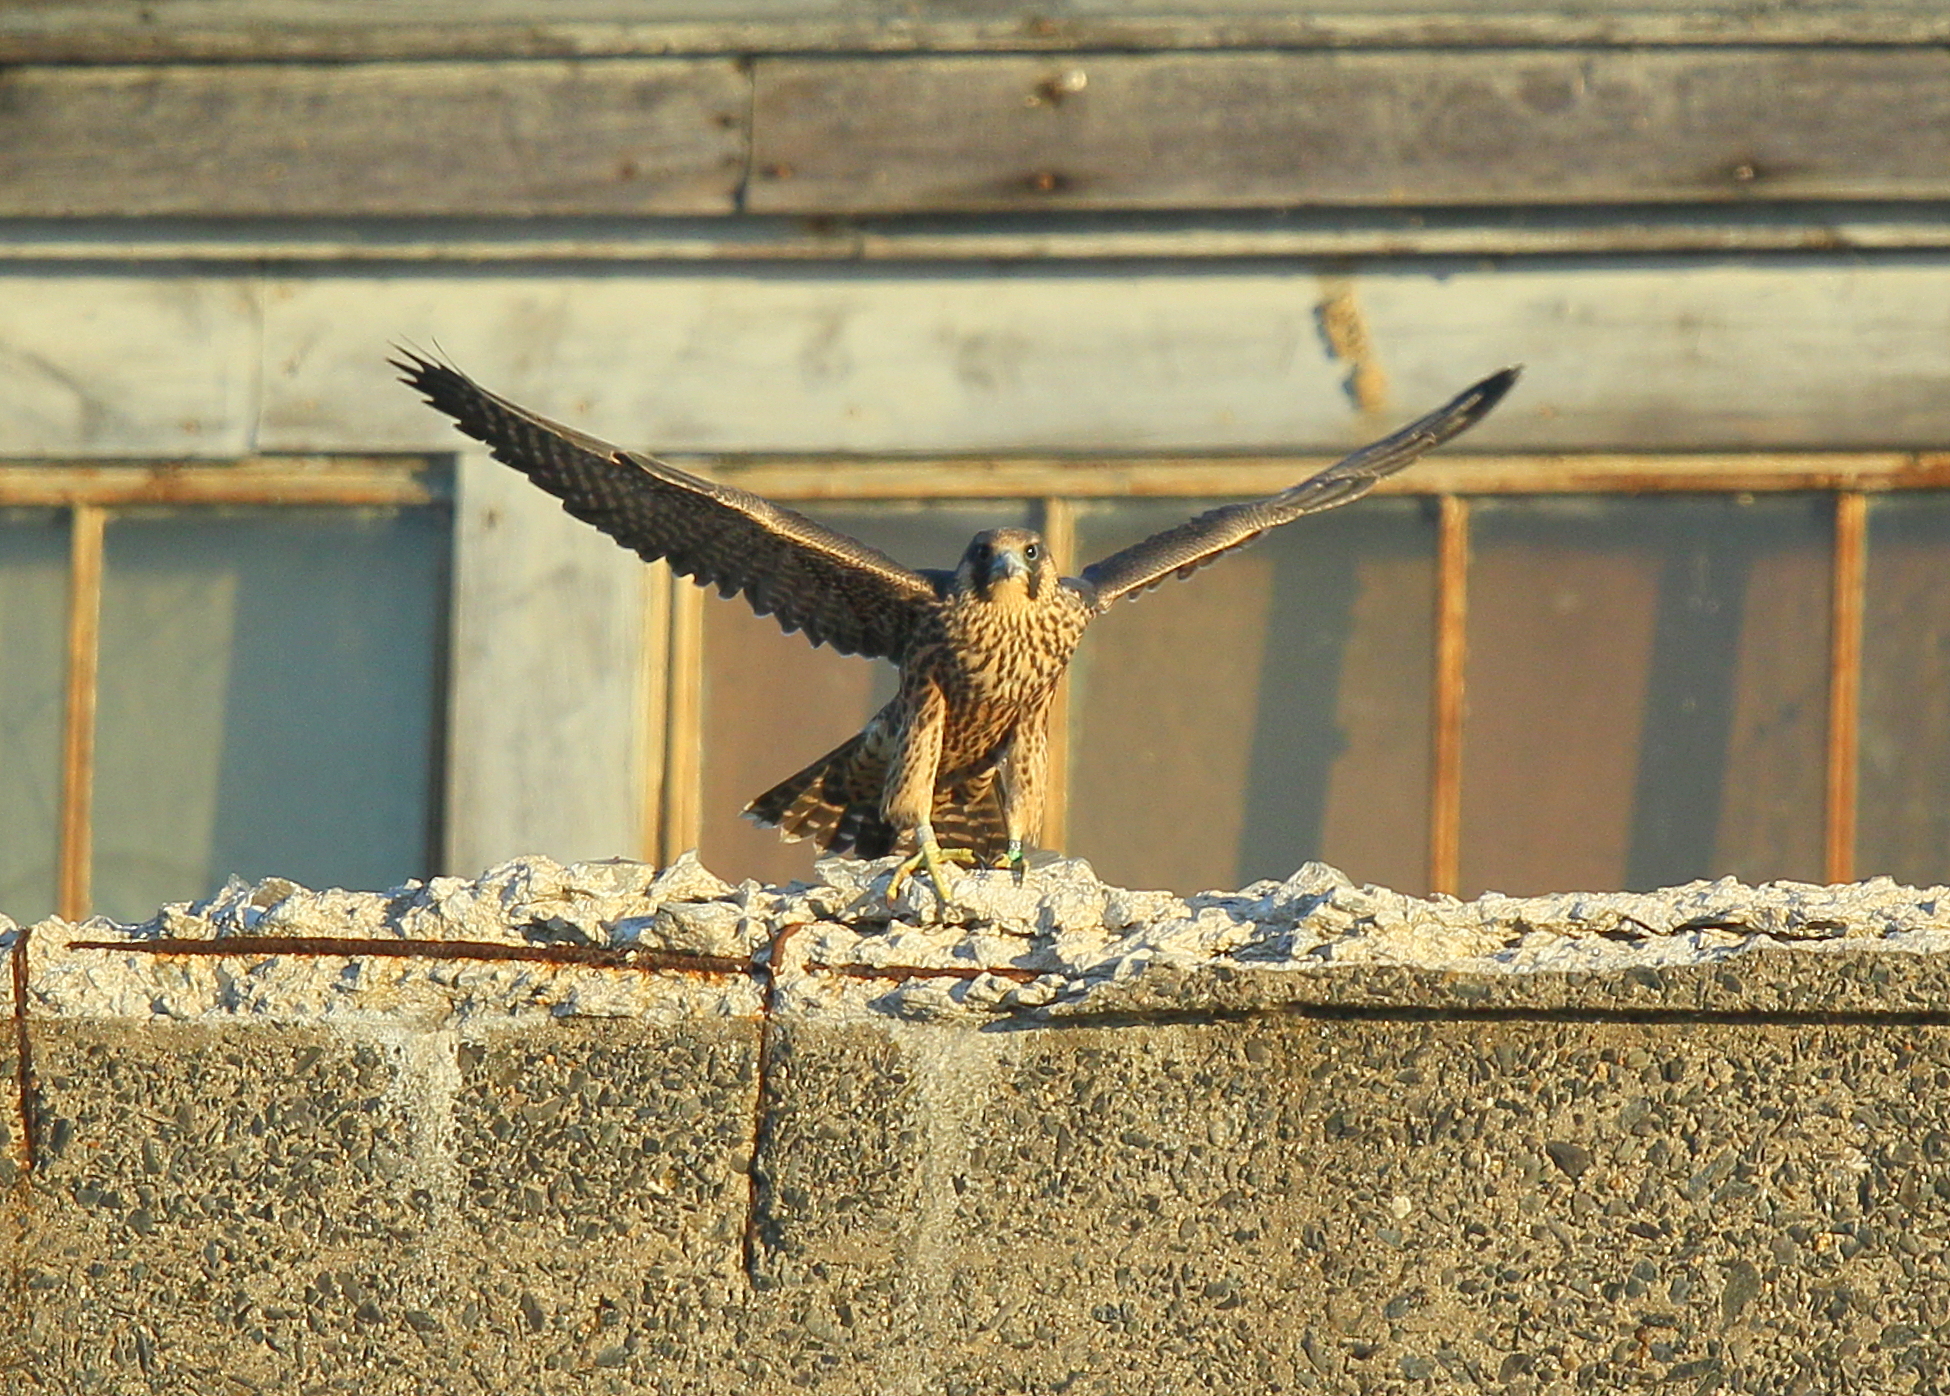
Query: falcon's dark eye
[1033, 551]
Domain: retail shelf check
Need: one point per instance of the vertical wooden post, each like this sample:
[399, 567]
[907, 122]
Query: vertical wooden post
[1845, 682]
[545, 734]
[78, 719]
[654, 676]
[684, 725]
[1451, 652]
[1060, 537]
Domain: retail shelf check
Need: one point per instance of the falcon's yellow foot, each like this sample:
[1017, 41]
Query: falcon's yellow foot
[932, 856]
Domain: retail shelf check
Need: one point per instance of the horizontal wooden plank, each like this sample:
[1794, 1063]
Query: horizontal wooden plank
[812, 480]
[97, 364]
[1223, 236]
[1680, 472]
[1835, 353]
[853, 359]
[292, 481]
[109, 30]
[284, 481]
[612, 136]
[1090, 361]
[1206, 130]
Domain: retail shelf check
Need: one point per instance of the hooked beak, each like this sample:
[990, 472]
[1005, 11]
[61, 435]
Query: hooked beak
[1008, 563]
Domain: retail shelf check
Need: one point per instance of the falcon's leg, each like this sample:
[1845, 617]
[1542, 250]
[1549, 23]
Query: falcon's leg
[907, 801]
[1025, 774]
[930, 855]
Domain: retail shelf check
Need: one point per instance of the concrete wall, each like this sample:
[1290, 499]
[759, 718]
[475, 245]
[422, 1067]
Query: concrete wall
[1309, 1137]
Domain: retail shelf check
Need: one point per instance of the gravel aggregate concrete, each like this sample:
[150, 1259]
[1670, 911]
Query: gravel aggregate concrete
[613, 1129]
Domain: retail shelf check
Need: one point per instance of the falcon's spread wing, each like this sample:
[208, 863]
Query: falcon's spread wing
[1182, 550]
[812, 578]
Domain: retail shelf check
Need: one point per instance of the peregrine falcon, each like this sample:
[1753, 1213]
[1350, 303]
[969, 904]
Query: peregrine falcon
[954, 766]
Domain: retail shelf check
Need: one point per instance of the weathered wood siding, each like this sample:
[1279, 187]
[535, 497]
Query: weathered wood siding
[970, 133]
[99, 364]
[1682, 355]
[646, 136]
[97, 30]
[1206, 130]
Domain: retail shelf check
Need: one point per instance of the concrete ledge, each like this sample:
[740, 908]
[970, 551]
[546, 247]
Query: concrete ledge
[605, 1128]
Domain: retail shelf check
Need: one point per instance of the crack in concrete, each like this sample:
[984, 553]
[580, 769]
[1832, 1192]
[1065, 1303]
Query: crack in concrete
[1435, 1013]
[29, 1148]
[762, 1117]
[900, 974]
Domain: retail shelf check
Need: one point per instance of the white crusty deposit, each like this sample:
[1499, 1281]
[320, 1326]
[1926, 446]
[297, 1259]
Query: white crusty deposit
[1055, 943]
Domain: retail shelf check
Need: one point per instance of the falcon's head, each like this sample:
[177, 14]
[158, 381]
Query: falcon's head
[1006, 566]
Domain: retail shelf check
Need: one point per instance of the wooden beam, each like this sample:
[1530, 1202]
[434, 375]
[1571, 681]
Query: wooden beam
[1294, 130]
[1754, 472]
[1451, 659]
[624, 136]
[107, 30]
[654, 681]
[1153, 361]
[406, 483]
[1845, 684]
[73, 896]
[287, 481]
[1204, 236]
[958, 133]
[683, 747]
[1060, 537]
[812, 479]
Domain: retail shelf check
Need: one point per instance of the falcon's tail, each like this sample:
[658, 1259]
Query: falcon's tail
[835, 802]
[969, 815]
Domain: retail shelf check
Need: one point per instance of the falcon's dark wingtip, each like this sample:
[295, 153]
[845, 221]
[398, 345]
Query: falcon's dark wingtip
[425, 374]
[1476, 400]
[475, 412]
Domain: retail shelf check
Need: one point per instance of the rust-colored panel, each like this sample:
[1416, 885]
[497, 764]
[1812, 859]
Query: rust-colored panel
[1166, 693]
[1848, 579]
[1376, 826]
[1271, 709]
[1560, 641]
[1903, 825]
[772, 704]
[1645, 700]
[1770, 805]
